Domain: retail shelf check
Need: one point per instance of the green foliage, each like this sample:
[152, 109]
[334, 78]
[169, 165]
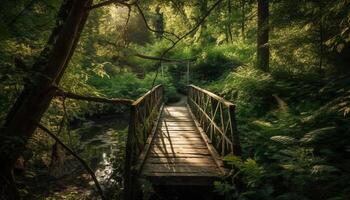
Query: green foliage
[247, 87]
[128, 85]
[293, 122]
[298, 139]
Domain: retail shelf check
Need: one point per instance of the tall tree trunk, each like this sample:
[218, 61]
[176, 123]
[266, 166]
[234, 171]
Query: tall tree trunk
[203, 9]
[229, 24]
[243, 19]
[263, 52]
[36, 97]
[321, 36]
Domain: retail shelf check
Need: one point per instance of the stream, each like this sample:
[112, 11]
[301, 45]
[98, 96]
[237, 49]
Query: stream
[100, 142]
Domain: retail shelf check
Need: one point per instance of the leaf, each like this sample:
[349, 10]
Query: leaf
[316, 134]
[340, 47]
[284, 139]
[319, 169]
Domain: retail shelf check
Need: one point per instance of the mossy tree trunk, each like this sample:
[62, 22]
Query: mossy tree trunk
[36, 96]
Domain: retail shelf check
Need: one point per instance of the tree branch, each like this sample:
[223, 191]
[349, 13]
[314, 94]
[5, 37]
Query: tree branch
[82, 161]
[108, 2]
[194, 28]
[149, 27]
[164, 59]
[184, 36]
[71, 95]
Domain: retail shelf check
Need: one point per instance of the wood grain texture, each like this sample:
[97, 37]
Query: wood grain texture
[178, 153]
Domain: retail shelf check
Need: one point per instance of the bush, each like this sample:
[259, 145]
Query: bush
[249, 88]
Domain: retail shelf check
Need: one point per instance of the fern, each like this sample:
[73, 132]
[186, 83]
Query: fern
[286, 140]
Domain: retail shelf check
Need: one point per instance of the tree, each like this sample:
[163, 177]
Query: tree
[263, 52]
[36, 96]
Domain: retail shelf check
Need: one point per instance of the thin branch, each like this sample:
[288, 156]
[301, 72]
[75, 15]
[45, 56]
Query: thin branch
[147, 57]
[126, 26]
[71, 95]
[194, 28]
[106, 3]
[164, 59]
[151, 29]
[82, 161]
[184, 36]
[101, 4]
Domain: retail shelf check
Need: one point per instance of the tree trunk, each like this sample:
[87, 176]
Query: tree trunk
[243, 20]
[263, 53]
[229, 24]
[36, 97]
[201, 32]
[321, 36]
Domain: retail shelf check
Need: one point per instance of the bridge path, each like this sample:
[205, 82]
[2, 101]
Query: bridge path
[179, 154]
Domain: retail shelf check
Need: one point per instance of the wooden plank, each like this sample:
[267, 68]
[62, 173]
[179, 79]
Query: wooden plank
[179, 168]
[177, 119]
[203, 151]
[178, 128]
[177, 132]
[175, 165]
[178, 155]
[192, 152]
[184, 146]
[157, 139]
[178, 123]
[179, 136]
[207, 160]
[180, 142]
[183, 174]
[167, 134]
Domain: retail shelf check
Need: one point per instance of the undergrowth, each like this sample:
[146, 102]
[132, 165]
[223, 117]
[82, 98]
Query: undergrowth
[292, 132]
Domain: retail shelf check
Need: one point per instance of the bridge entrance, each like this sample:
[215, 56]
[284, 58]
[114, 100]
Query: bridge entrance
[182, 144]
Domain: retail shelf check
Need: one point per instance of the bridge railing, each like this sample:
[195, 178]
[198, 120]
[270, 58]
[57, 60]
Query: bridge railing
[143, 114]
[217, 119]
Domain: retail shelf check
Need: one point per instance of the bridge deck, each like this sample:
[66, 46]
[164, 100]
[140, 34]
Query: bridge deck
[178, 154]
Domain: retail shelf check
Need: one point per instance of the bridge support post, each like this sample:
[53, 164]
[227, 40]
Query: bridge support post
[129, 176]
[236, 146]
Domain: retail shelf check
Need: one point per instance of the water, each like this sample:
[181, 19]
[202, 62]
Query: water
[101, 142]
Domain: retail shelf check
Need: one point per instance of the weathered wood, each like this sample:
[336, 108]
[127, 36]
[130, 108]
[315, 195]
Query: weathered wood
[179, 168]
[178, 152]
[147, 147]
[182, 146]
[170, 128]
[216, 117]
[143, 113]
[182, 142]
[173, 151]
[190, 161]
[216, 157]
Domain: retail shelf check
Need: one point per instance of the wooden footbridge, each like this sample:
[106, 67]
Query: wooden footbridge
[179, 144]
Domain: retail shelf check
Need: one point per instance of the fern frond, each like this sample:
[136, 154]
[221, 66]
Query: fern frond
[316, 134]
[284, 139]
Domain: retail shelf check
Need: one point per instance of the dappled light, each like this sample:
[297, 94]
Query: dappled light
[174, 99]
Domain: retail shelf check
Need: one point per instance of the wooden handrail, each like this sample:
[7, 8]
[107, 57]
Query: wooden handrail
[143, 114]
[224, 101]
[217, 118]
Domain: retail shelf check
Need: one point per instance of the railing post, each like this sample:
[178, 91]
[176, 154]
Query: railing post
[236, 147]
[129, 176]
